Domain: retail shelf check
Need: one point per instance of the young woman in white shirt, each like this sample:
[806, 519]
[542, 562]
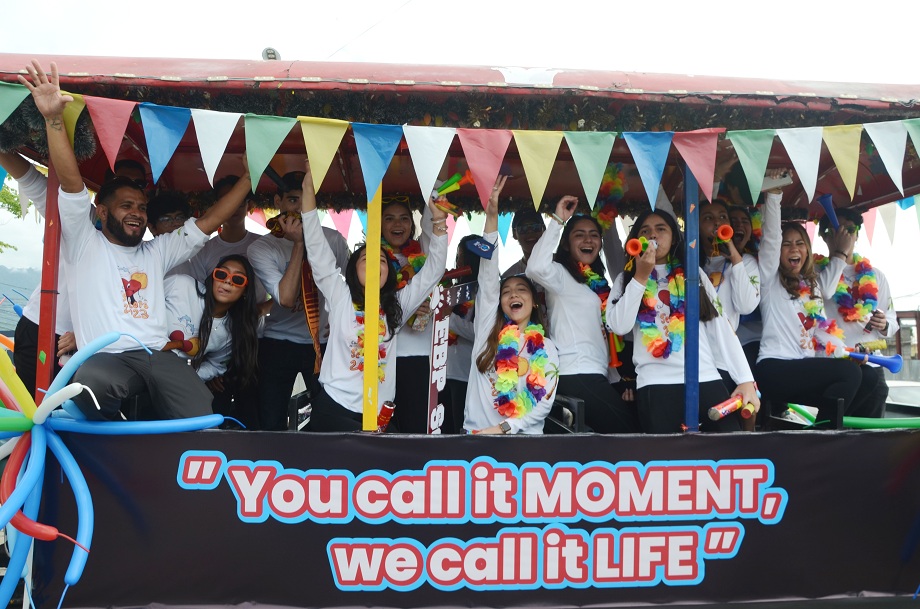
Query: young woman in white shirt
[339, 405]
[513, 378]
[795, 325]
[648, 299]
[576, 294]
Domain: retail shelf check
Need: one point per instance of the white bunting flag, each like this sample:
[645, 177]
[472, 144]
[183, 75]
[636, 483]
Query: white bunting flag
[890, 139]
[804, 149]
[213, 130]
[428, 148]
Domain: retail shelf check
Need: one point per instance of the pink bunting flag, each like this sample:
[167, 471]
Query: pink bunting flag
[110, 119]
[810, 229]
[484, 150]
[869, 222]
[258, 216]
[451, 225]
[698, 149]
[342, 221]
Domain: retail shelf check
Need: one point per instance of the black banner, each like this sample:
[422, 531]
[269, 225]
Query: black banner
[320, 520]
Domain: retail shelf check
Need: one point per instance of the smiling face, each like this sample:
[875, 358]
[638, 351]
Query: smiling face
[396, 225]
[656, 228]
[361, 267]
[226, 292]
[124, 216]
[795, 250]
[517, 300]
[584, 241]
[741, 225]
[712, 216]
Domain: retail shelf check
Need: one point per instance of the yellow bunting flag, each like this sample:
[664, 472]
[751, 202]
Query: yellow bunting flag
[72, 112]
[538, 150]
[371, 317]
[843, 143]
[322, 137]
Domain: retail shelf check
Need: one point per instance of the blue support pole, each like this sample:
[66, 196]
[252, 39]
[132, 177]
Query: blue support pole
[692, 315]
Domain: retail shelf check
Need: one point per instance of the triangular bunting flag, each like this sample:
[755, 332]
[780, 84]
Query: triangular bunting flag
[504, 224]
[484, 150]
[538, 150]
[264, 135]
[913, 129]
[889, 214]
[72, 112]
[110, 119]
[843, 143]
[907, 203]
[11, 95]
[650, 153]
[591, 152]
[890, 139]
[376, 146]
[753, 150]
[213, 130]
[342, 220]
[428, 148]
[917, 209]
[322, 137]
[698, 149]
[258, 216]
[362, 216]
[810, 229]
[451, 227]
[477, 221]
[164, 127]
[869, 222]
[804, 149]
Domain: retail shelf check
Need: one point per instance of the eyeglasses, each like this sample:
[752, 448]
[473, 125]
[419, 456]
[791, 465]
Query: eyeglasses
[536, 227]
[238, 279]
[177, 218]
[394, 199]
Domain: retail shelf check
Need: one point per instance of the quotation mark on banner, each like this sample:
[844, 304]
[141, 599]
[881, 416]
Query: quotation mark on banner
[200, 469]
[722, 540]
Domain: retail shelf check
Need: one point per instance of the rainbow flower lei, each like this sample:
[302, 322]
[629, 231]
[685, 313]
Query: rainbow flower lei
[598, 285]
[662, 343]
[858, 301]
[613, 187]
[412, 250]
[381, 346]
[813, 317]
[511, 402]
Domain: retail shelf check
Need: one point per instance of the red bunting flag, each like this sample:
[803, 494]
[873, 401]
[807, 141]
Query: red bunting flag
[110, 119]
[484, 150]
[698, 149]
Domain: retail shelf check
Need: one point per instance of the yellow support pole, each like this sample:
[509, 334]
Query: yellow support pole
[371, 308]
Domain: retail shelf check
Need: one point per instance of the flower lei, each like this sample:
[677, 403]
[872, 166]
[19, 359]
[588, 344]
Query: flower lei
[662, 343]
[814, 317]
[511, 402]
[857, 301]
[412, 250]
[598, 285]
[756, 227]
[613, 187]
[462, 310]
[381, 346]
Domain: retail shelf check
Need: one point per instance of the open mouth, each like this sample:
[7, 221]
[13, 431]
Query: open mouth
[516, 306]
[133, 224]
[794, 260]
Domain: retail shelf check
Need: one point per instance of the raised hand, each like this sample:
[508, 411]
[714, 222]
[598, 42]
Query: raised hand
[565, 207]
[46, 90]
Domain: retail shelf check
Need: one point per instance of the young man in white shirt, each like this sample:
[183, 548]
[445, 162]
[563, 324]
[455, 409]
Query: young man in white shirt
[116, 279]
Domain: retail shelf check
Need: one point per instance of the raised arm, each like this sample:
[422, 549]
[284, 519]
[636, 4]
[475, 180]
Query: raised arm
[613, 250]
[50, 101]
[417, 290]
[772, 236]
[221, 211]
[540, 267]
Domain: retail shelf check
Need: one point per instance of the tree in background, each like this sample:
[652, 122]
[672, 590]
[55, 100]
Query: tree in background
[9, 202]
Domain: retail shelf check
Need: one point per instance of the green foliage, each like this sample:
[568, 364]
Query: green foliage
[9, 202]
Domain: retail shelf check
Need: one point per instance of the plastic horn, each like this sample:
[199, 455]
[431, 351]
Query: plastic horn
[447, 186]
[725, 233]
[463, 271]
[7, 342]
[827, 202]
[635, 247]
[466, 179]
[729, 406]
[892, 362]
[16, 307]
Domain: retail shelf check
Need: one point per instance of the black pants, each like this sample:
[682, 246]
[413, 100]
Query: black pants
[239, 403]
[412, 388]
[870, 398]
[454, 405]
[279, 363]
[818, 382]
[25, 355]
[175, 390]
[661, 408]
[605, 411]
[328, 415]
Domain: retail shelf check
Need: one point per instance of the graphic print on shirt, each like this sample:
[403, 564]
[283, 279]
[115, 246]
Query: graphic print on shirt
[135, 304]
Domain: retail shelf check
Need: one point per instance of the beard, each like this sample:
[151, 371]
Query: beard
[119, 233]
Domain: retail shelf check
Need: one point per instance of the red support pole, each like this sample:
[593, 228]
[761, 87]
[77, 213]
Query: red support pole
[47, 342]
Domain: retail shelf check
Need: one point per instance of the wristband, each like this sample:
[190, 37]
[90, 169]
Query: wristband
[844, 254]
[557, 219]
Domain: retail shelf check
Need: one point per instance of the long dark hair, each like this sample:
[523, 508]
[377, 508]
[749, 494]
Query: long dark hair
[708, 311]
[486, 359]
[706, 252]
[563, 254]
[467, 258]
[388, 301]
[809, 273]
[243, 321]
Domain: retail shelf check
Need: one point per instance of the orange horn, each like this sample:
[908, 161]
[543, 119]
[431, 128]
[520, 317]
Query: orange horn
[725, 232]
[466, 179]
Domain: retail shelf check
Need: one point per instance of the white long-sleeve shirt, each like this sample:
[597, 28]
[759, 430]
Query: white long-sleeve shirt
[784, 335]
[480, 411]
[339, 375]
[716, 337]
[574, 310]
